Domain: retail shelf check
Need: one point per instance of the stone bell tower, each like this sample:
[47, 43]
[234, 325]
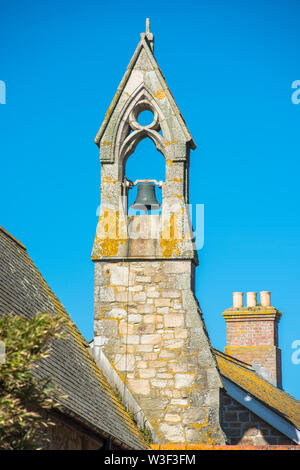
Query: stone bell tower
[147, 320]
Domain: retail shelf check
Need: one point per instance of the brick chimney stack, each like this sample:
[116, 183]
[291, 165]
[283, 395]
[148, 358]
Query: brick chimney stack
[252, 334]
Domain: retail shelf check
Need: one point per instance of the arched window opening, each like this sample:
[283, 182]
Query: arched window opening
[145, 163]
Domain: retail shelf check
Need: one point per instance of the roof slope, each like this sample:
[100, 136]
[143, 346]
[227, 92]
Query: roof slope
[244, 376]
[72, 368]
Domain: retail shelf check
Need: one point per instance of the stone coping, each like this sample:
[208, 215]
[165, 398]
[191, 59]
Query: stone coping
[251, 313]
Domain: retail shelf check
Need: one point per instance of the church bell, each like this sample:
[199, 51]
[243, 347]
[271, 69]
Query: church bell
[146, 198]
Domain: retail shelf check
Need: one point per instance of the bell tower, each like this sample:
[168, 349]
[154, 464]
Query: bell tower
[148, 323]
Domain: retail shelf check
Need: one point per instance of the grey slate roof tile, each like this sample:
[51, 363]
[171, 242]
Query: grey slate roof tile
[70, 365]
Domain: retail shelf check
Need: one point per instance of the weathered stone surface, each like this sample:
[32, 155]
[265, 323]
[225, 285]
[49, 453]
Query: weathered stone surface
[162, 302]
[118, 313]
[147, 373]
[158, 383]
[140, 386]
[171, 293]
[144, 265]
[174, 344]
[176, 267]
[107, 294]
[163, 309]
[194, 415]
[140, 297]
[145, 308]
[124, 362]
[184, 380]
[122, 297]
[172, 418]
[131, 339]
[151, 339]
[145, 348]
[174, 320]
[172, 433]
[119, 275]
[135, 318]
[163, 350]
[143, 279]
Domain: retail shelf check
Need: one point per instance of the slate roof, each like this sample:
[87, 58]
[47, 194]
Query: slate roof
[243, 375]
[72, 368]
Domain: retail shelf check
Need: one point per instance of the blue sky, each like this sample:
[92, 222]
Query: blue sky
[230, 66]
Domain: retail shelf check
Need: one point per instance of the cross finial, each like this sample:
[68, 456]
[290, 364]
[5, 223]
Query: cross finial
[147, 25]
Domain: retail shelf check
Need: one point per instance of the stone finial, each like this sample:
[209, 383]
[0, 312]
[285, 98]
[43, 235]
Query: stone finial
[147, 25]
[149, 36]
[237, 299]
[265, 298]
[251, 299]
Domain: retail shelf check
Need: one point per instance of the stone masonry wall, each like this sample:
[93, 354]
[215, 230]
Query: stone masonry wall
[243, 427]
[151, 328]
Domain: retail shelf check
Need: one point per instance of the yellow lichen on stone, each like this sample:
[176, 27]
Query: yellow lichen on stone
[170, 143]
[109, 247]
[207, 432]
[170, 238]
[108, 112]
[109, 179]
[160, 94]
[111, 233]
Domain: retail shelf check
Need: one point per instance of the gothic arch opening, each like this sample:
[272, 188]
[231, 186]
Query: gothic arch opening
[145, 163]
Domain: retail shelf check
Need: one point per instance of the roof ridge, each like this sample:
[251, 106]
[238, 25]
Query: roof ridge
[240, 363]
[245, 365]
[9, 235]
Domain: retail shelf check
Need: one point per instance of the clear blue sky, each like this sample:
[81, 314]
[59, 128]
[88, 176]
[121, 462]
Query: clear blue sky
[230, 66]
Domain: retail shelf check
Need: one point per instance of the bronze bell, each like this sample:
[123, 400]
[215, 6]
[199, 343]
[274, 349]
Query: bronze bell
[146, 198]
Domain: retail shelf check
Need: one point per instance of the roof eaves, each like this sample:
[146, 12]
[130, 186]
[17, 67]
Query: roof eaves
[94, 429]
[264, 411]
[234, 360]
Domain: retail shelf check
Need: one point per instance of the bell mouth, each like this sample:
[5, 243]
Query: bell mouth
[146, 208]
